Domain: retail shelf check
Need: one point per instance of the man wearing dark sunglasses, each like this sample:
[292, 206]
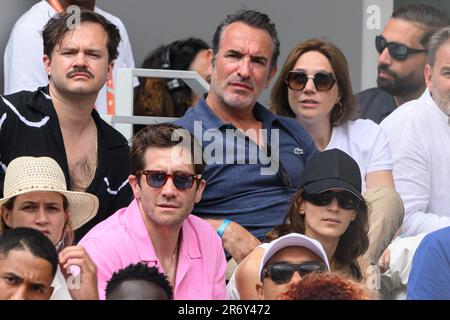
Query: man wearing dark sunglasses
[157, 228]
[402, 54]
[285, 261]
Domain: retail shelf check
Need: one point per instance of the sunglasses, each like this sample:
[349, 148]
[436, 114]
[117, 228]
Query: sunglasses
[181, 180]
[282, 272]
[297, 80]
[346, 199]
[397, 51]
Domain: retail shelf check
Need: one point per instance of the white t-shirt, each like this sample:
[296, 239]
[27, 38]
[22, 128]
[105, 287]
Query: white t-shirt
[395, 279]
[232, 291]
[419, 136]
[366, 143]
[23, 59]
[60, 290]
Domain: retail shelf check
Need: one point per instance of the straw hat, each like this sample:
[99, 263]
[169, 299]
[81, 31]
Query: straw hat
[31, 174]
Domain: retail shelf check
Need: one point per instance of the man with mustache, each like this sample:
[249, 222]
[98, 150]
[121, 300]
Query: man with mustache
[402, 57]
[23, 53]
[60, 121]
[242, 201]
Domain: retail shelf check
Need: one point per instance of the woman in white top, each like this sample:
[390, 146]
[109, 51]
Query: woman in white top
[314, 87]
[36, 196]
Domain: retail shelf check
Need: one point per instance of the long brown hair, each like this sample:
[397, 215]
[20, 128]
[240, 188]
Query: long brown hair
[342, 112]
[352, 244]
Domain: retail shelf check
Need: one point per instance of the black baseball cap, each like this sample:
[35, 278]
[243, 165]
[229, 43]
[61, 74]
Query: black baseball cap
[331, 169]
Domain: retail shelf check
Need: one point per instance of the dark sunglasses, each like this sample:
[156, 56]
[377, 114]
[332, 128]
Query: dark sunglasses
[297, 80]
[181, 180]
[346, 199]
[397, 51]
[282, 272]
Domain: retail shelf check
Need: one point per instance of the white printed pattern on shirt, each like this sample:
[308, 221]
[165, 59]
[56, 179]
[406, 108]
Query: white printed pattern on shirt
[46, 95]
[28, 123]
[2, 120]
[114, 192]
[3, 166]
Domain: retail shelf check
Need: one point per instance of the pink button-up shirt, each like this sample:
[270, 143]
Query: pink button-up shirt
[123, 239]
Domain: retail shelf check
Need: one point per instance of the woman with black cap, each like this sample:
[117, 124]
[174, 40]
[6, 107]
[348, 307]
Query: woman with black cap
[327, 207]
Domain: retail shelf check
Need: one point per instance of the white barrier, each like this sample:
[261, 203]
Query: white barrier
[124, 96]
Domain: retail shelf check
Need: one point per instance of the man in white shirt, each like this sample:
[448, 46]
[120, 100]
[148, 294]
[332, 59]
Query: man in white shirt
[419, 136]
[24, 67]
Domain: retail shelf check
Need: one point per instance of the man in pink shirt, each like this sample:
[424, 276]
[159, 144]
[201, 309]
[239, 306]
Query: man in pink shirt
[157, 227]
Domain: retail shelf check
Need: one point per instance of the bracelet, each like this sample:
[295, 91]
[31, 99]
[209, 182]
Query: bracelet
[222, 227]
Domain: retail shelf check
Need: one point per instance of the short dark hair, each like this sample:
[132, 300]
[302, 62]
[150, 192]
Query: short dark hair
[139, 271]
[430, 17]
[182, 52]
[153, 96]
[31, 240]
[163, 135]
[57, 27]
[253, 19]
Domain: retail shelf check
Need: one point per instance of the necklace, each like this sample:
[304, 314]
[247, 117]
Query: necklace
[171, 274]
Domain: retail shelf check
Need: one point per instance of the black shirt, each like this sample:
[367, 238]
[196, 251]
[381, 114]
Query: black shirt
[29, 126]
[375, 104]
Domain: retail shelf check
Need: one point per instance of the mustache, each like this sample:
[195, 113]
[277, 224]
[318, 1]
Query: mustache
[247, 81]
[77, 69]
[385, 69]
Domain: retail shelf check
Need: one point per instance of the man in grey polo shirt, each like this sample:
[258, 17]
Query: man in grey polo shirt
[254, 158]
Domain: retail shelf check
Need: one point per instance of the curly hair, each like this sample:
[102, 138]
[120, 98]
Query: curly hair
[325, 286]
[139, 271]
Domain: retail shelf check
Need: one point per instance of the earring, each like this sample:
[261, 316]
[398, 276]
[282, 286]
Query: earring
[338, 108]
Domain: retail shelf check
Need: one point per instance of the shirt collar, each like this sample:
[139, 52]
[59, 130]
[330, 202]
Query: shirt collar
[41, 101]
[135, 227]
[211, 121]
[429, 100]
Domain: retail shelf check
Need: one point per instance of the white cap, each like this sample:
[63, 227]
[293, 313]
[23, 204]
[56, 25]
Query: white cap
[292, 240]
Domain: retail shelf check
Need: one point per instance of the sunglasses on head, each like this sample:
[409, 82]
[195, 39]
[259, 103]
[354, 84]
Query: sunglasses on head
[181, 180]
[282, 272]
[346, 199]
[297, 80]
[396, 50]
